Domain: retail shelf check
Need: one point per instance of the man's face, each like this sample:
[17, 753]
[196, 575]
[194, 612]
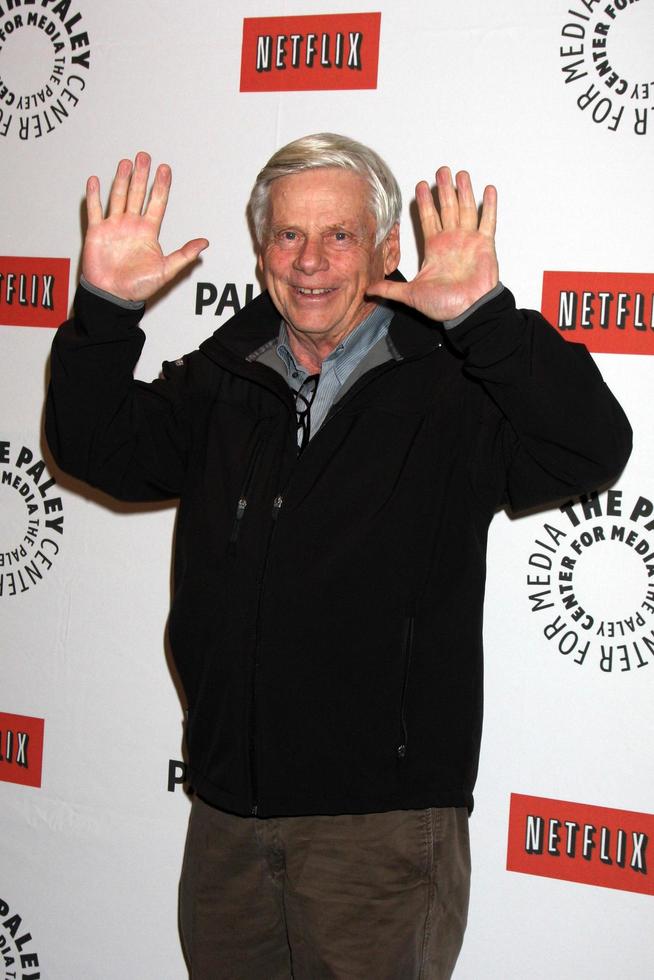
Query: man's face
[319, 255]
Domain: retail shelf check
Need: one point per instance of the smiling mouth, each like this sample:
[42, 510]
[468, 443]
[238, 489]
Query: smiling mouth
[305, 291]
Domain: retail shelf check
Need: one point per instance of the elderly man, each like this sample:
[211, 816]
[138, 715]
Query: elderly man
[339, 449]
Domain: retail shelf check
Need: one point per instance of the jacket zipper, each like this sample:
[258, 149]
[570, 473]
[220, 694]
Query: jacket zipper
[407, 649]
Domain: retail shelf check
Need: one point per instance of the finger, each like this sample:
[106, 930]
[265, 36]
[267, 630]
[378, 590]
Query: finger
[429, 221]
[119, 187]
[488, 221]
[183, 256]
[93, 204]
[138, 185]
[159, 197]
[468, 217]
[447, 200]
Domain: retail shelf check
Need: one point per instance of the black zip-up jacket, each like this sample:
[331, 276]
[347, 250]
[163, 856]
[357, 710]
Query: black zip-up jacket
[327, 612]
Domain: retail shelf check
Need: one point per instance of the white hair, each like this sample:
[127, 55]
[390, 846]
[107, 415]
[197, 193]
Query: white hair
[329, 150]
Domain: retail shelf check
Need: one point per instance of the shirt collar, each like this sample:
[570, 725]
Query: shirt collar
[344, 358]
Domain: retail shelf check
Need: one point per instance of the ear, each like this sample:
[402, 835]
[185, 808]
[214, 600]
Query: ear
[260, 261]
[391, 250]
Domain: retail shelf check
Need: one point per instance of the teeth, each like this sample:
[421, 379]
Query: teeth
[311, 292]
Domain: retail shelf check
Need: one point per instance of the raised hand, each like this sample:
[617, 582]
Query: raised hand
[121, 252]
[460, 264]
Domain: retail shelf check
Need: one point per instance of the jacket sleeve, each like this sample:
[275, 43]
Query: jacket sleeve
[562, 433]
[123, 436]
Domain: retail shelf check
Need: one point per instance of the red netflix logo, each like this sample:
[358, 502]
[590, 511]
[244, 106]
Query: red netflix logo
[21, 749]
[592, 845]
[610, 312]
[33, 292]
[311, 53]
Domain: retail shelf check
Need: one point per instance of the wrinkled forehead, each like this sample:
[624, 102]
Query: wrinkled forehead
[323, 196]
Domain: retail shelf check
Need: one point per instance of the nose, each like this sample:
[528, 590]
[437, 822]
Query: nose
[311, 257]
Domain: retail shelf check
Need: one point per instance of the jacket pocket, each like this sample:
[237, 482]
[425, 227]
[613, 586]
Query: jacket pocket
[407, 652]
[242, 503]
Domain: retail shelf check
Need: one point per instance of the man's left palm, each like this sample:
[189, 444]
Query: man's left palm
[460, 264]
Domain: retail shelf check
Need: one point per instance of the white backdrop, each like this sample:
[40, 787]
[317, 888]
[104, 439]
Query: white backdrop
[90, 859]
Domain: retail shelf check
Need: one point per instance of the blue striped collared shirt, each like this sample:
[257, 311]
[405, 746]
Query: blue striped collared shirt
[337, 368]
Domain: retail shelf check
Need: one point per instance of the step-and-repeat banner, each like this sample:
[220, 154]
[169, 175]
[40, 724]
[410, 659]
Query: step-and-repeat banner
[554, 103]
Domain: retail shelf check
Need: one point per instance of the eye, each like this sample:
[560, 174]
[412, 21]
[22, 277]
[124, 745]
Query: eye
[287, 238]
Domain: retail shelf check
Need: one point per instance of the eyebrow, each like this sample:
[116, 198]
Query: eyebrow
[352, 228]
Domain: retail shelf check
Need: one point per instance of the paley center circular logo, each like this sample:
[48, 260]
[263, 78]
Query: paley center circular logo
[590, 582]
[606, 49]
[31, 520]
[45, 55]
[17, 953]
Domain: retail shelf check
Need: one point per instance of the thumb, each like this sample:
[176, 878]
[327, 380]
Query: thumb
[388, 289]
[183, 256]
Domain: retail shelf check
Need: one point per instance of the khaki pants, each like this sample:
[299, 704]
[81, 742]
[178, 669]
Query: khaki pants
[380, 896]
